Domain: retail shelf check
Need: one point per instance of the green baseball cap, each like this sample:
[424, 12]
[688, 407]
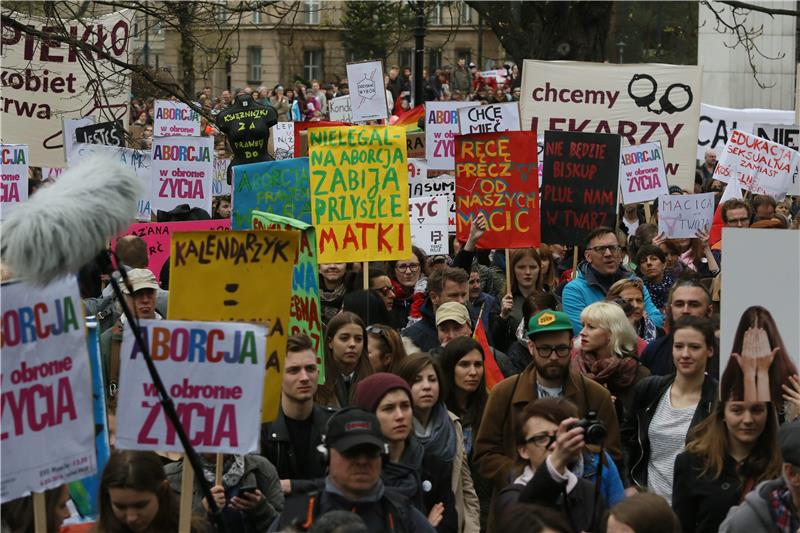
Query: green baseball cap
[548, 320]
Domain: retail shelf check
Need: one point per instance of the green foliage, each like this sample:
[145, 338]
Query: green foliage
[372, 30]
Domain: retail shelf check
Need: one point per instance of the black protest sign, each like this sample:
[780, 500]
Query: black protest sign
[108, 133]
[246, 124]
[580, 177]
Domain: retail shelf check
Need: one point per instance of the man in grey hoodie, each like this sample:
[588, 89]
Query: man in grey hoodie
[774, 505]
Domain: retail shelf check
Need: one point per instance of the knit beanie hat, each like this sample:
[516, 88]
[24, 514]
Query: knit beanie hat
[371, 390]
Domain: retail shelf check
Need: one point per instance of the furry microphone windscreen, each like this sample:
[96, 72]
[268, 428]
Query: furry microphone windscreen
[64, 226]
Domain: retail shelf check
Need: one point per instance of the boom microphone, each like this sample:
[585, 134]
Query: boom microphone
[64, 226]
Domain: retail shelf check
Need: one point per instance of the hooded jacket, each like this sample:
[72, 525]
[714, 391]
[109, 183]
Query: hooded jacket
[753, 514]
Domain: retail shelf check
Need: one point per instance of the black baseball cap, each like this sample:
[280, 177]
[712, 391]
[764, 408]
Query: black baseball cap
[353, 427]
[789, 439]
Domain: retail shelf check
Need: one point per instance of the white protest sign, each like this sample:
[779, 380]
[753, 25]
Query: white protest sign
[489, 118]
[441, 127]
[443, 186]
[44, 82]
[213, 371]
[716, 124]
[367, 91]
[14, 180]
[417, 170]
[340, 109]
[757, 165]
[51, 173]
[429, 226]
[787, 135]
[47, 422]
[182, 172]
[283, 140]
[69, 127]
[220, 186]
[138, 161]
[681, 216]
[499, 75]
[175, 118]
[642, 176]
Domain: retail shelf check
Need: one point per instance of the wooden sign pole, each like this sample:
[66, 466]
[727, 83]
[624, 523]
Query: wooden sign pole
[187, 491]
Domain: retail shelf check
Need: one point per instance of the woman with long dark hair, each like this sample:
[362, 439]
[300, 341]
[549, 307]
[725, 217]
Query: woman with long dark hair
[525, 266]
[346, 360]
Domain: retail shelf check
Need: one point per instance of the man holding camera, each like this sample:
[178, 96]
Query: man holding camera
[549, 341]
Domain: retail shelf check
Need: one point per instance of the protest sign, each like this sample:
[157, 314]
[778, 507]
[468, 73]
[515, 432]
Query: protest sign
[758, 165]
[415, 144]
[499, 75]
[429, 223]
[786, 135]
[139, 161]
[641, 103]
[45, 81]
[580, 180]
[175, 118]
[282, 136]
[242, 276]
[441, 127]
[359, 196]
[496, 175]
[182, 172]
[279, 187]
[220, 185]
[305, 314]
[717, 123]
[214, 373]
[69, 126]
[340, 109]
[157, 236]
[107, 133]
[51, 173]
[767, 300]
[14, 179]
[46, 427]
[367, 91]
[681, 216]
[642, 176]
[301, 134]
[489, 118]
[443, 185]
[417, 170]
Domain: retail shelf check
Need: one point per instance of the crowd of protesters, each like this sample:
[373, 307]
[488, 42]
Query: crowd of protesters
[608, 415]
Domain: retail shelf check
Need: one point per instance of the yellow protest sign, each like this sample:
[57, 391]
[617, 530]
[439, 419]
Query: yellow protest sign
[241, 276]
[359, 193]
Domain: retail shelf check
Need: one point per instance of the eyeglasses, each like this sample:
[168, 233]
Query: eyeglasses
[375, 330]
[384, 290]
[603, 248]
[543, 440]
[561, 350]
[409, 268]
[738, 221]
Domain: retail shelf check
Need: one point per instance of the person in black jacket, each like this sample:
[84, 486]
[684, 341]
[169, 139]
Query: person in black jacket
[731, 451]
[665, 408]
[290, 441]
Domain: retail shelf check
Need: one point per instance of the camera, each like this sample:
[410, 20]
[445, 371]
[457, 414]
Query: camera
[594, 431]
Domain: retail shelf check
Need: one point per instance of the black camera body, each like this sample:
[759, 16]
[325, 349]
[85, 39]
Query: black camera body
[594, 431]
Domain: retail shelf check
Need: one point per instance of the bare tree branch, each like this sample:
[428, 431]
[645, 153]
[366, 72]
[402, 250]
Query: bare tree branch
[761, 9]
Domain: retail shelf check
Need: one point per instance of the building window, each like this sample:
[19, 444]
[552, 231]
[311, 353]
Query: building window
[436, 14]
[256, 17]
[466, 13]
[405, 57]
[312, 12]
[222, 13]
[312, 64]
[434, 59]
[253, 64]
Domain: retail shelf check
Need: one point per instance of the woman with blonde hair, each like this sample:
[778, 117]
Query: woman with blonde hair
[631, 290]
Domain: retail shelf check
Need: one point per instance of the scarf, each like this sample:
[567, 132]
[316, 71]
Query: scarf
[404, 476]
[330, 297]
[439, 437]
[232, 466]
[780, 507]
[647, 329]
[614, 371]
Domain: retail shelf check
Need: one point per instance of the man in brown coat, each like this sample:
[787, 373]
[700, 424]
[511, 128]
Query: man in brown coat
[549, 341]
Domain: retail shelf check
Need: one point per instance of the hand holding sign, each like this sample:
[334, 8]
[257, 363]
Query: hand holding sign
[682, 216]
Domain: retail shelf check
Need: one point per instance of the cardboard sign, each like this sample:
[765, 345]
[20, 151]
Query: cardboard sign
[641, 103]
[757, 165]
[499, 75]
[441, 127]
[788, 136]
[14, 181]
[283, 140]
[429, 223]
[46, 427]
[417, 170]
[771, 295]
[241, 276]
[340, 108]
[182, 172]
[415, 144]
[139, 161]
[305, 312]
[219, 186]
[489, 118]
[496, 175]
[301, 134]
[443, 185]
[175, 118]
[367, 91]
[681, 216]
[359, 196]
[107, 133]
[717, 123]
[45, 82]
[214, 373]
[280, 187]
[580, 180]
[69, 127]
[642, 176]
[157, 236]
[51, 173]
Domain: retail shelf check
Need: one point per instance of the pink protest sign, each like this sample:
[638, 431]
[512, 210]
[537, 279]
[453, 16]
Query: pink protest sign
[157, 236]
